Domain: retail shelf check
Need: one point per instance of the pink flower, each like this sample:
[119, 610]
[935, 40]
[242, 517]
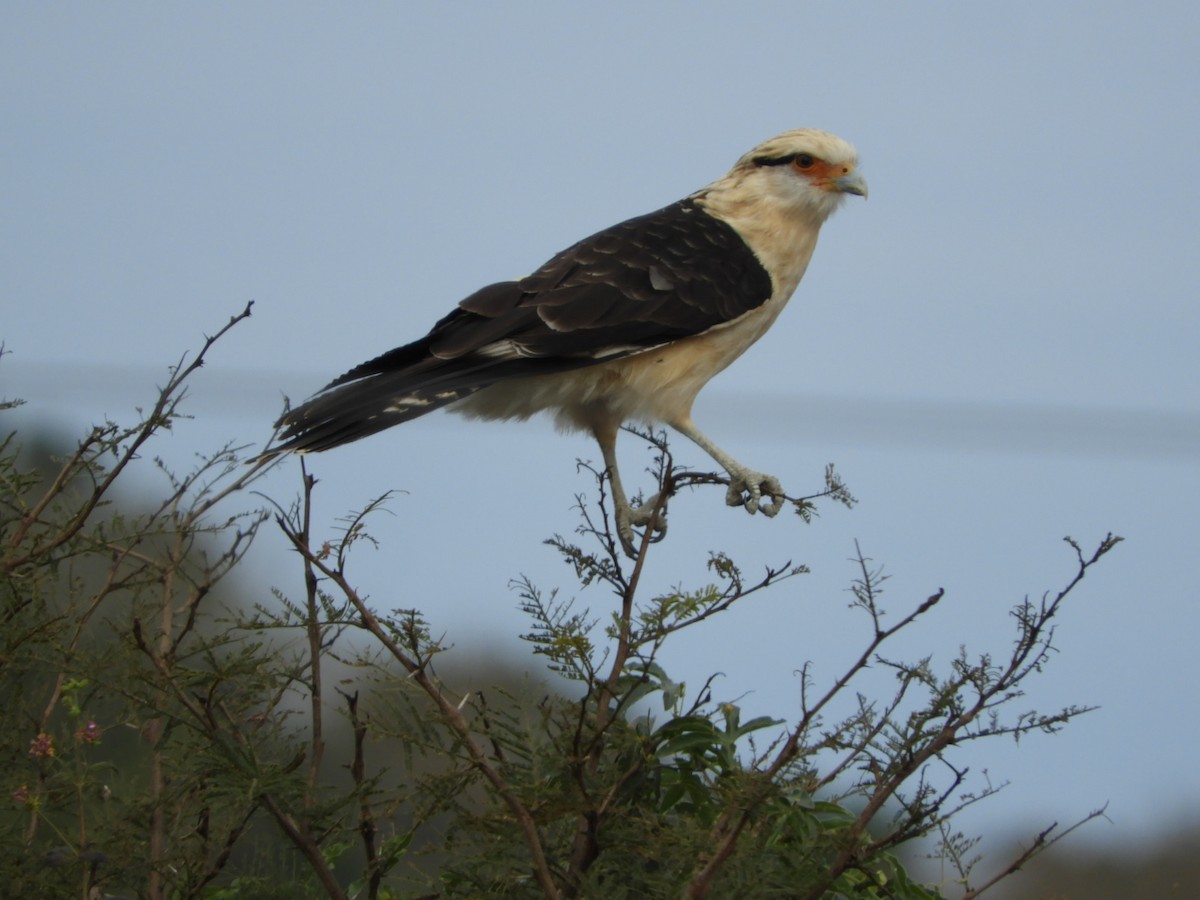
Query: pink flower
[41, 746]
[89, 733]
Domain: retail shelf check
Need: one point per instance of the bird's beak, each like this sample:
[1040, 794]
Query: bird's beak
[850, 183]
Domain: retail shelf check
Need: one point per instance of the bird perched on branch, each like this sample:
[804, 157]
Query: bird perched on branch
[626, 325]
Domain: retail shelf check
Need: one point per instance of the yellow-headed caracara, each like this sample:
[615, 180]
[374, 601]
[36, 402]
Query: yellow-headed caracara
[628, 324]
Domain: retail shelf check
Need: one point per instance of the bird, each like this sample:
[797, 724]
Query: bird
[626, 325]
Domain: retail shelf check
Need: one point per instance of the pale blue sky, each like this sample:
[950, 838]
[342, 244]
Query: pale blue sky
[997, 349]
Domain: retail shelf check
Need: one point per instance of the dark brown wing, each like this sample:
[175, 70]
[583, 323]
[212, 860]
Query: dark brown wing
[637, 285]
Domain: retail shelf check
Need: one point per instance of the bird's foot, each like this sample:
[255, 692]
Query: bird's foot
[641, 516]
[756, 492]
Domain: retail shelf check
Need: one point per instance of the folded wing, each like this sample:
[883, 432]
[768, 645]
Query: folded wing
[632, 287]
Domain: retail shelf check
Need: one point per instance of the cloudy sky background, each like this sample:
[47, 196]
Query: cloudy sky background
[998, 349]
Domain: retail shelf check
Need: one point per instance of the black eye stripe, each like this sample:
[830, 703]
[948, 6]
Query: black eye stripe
[786, 160]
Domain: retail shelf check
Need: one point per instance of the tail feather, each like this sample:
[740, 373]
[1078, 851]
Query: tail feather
[353, 411]
[490, 338]
[372, 397]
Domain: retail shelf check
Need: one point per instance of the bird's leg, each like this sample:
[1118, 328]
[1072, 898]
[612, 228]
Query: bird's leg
[753, 490]
[627, 516]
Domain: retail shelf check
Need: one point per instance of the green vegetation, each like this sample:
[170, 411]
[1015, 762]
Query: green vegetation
[168, 733]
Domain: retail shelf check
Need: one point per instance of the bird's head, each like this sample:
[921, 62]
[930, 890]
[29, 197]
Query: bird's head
[809, 171]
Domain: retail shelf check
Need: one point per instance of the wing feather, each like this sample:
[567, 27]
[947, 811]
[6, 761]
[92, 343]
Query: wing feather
[637, 285]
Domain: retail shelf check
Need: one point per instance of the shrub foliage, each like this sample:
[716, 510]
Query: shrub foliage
[171, 734]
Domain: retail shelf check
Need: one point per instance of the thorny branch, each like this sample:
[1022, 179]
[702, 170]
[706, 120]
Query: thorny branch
[1030, 652]
[229, 736]
[126, 444]
[877, 743]
[417, 669]
[1040, 844]
[609, 701]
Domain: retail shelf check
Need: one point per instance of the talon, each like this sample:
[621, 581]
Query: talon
[756, 492]
[641, 516]
[773, 490]
[733, 495]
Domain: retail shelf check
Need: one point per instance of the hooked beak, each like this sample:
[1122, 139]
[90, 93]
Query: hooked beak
[850, 183]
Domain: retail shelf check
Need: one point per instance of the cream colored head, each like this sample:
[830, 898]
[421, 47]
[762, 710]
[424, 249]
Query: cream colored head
[807, 170]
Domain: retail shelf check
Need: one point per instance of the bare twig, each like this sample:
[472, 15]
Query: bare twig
[367, 828]
[313, 631]
[163, 410]
[450, 711]
[1041, 843]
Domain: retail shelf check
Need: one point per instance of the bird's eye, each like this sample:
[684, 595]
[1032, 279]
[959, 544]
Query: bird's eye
[804, 160]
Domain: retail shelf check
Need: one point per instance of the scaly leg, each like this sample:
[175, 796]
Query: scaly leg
[753, 490]
[628, 517]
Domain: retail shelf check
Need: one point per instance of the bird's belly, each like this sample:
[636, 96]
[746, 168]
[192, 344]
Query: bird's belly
[656, 385]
